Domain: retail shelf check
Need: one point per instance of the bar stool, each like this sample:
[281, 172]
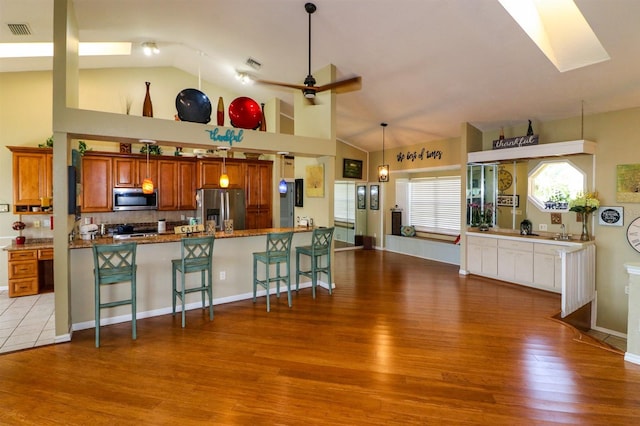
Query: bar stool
[278, 252]
[320, 246]
[113, 264]
[196, 256]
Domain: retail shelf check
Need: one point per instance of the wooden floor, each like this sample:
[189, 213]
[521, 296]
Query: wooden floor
[402, 341]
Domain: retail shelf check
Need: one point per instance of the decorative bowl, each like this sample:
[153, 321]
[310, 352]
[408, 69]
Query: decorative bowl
[245, 113]
[194, 106]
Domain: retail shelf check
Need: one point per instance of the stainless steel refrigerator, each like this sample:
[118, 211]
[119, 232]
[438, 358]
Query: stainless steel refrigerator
[219, 205]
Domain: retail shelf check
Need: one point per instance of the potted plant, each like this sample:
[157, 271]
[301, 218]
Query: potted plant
[19, 226]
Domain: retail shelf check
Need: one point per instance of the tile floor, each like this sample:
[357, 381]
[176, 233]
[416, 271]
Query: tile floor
[615, 341]
[26, 321]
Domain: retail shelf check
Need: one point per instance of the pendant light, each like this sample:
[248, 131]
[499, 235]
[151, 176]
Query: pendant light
[383, 170]
[224, 178]
[282, 186]
[147, 183]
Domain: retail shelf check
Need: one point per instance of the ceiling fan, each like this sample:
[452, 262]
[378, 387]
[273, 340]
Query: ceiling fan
[309, 88]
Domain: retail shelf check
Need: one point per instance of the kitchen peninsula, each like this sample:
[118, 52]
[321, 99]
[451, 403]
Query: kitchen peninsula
[232, 273]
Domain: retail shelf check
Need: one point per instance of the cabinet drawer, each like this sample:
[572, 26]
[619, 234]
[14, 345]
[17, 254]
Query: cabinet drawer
[23, 287]
[515, 245]
[484, 242]
[547, 248]
[45, 254]
[23, 255]
[23, 269]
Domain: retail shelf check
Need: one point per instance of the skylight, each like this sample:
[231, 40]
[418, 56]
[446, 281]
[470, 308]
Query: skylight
[33, 50]
[560, 31]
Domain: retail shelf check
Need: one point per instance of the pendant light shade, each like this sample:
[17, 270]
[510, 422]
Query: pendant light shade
[282, 186]
[147, 183]
[224, 178]
[383, 169]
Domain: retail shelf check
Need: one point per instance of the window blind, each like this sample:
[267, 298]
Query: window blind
[434, 204]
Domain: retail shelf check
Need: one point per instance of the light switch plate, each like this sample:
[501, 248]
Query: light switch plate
[4, 208]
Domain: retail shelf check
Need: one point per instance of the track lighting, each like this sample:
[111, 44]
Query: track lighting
[150, 48]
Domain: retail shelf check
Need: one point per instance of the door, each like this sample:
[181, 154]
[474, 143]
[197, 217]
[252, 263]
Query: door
[286, 206]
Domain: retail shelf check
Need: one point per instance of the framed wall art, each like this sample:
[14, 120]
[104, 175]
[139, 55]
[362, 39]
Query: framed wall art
[628, 183]
[509, 200]
[299, 190]
[315, 181]
[361, 196]
[611, 216]
[351, 168]
[373, 197]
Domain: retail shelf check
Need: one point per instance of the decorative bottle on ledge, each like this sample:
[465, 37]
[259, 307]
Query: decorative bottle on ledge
[147, 106]
[263, 121]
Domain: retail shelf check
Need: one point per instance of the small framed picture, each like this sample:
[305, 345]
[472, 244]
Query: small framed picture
[611, 216]
[509, 200]
[351, 168]
[373, 197]
[361, 195]
[299, 188]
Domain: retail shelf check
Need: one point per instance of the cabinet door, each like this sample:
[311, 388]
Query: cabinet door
[523, 271]
[96, 184]
[236, 173]
[544, 271]
[167, 185]
[474, 258]
[490, 261]
[258, 185]
[209, 172]
[143, 173]
[186, 190]
[30, 178]
[125, 173]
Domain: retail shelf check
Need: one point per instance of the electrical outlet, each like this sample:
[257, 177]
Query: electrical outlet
[46, 222]
[223, 275]
[542, 227]
[36, 224]
[4, 208]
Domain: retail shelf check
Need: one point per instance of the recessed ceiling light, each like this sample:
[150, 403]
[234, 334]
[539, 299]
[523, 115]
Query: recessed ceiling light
[560, 31]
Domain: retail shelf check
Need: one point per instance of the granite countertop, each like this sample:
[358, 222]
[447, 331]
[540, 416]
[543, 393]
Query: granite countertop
[30, 244]
[540, 237]
[170, 237]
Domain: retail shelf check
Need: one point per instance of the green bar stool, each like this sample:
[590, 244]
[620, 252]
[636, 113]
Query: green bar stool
[320, 246]
[113, 264]
[278, 252]
[196, 256]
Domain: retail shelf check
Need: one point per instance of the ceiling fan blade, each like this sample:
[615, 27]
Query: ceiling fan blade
[343, 86]
[289, 85]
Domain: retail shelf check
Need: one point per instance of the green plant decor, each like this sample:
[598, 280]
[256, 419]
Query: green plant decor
[82, 147]
[48, 143]
[153, 150]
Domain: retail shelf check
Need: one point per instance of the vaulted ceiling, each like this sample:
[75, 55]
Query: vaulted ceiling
[426, 65]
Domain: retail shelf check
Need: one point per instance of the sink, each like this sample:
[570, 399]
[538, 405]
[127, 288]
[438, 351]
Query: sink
[563, 237]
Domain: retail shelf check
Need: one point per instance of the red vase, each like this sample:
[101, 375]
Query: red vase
[147, 106]
[20, 240]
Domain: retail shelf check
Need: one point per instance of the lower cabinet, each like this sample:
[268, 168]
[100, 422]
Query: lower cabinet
[482, 256]
[522, 262]
[23, 272]
[547, 272]
[515, 261]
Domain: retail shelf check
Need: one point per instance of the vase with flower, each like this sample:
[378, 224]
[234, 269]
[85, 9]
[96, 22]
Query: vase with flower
[585, 204]
[19, 226]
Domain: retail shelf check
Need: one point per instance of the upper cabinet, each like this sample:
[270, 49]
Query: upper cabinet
[130, 172]
[96, 183]
[210, 170]
[176, 184]
[32, 178]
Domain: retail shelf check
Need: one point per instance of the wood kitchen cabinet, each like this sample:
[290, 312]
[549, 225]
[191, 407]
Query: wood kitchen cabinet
[258, 192]
[96, 183]
[130, 172]
[209, 172]
[32, 177]
[97, 194]
[176, 185]
[23, 272]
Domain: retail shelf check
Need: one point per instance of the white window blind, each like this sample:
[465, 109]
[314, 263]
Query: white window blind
[434, 204]
[344, 202]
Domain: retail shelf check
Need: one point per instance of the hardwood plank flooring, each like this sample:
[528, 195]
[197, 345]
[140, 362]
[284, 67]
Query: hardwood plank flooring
[402, 341]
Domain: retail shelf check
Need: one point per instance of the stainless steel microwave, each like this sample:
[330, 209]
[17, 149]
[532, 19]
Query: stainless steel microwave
[134, 199]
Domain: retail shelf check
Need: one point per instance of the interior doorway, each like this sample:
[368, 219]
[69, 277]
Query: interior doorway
[349, 218]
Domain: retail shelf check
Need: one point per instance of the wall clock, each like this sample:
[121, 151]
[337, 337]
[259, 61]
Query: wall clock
[633, 234]
[505, 179]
